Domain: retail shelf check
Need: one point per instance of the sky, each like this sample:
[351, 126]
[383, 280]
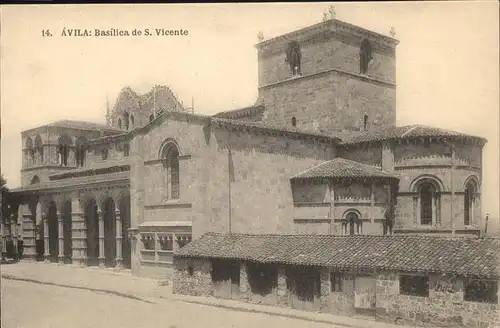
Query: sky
[447, 63]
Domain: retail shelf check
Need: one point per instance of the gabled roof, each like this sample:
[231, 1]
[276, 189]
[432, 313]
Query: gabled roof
[459, 256]
[343, 168]
[406, 132]
[242, 112]
[83, 125]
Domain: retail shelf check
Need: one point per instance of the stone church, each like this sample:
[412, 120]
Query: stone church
[317, 161]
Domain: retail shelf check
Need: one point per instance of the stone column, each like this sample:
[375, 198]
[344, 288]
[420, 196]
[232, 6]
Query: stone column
[325, 288]
[331, 187]
[4, 244]
[28, 231]
[102, 258]
[71, 156]
[282, 289]
[13, 232]
[60, 232]
[244, 283]
[372, 202]
[78, 234]
[46, 240]
[119, 258]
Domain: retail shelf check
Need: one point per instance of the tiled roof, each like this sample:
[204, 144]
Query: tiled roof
[405, 132]
[75, 183]
[459, 256]
[83, 125]
[343, 168]
[241, 112]
[273, 127]
[96, 169]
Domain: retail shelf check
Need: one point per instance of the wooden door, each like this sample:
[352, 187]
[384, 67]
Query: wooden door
[365, 294]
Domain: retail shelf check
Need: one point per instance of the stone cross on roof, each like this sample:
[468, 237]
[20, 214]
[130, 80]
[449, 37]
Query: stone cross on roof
[260, 36]
[392, 31]
[331, 10]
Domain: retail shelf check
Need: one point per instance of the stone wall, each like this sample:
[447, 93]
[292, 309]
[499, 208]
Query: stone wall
[260, 171]
[330, 101]
[199, 283]
[445, 305]
[371, 155]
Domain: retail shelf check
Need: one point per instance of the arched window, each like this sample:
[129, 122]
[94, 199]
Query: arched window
[170, 155]
[63, 150]
[35, 180]
[119, 123]
[351, 224]
[126, 150]
[365, 122]
[132, 121]
[293, 57]
[294, 121]
[427, 203]
[38, 150]
[30, 158]
[469, 202]
[151, 117]
[365, 55]
[126, 120]
[104, 154]
[81, 151]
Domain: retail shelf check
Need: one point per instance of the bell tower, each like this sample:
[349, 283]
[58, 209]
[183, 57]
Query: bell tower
[332, 76]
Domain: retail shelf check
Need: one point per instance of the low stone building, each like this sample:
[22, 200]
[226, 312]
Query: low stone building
[413, 279]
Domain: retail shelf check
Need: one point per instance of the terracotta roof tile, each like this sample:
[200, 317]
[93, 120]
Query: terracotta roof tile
[460, 256]
[404, 132]
[83, 125]
[343, 168]
[273, 127]
[75, 183]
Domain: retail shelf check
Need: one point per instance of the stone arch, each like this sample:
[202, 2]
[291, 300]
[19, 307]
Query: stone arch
[430, 178]
[35, 180]
[81, 151]
[351, 222]
[126, 120]
[53, 230]
[90, 213]
[39, 149]
[427, 200]
[30, 159]
[294, 57]
[471, 189]
[365, 55]
[170, 156]
[126, 248]
[169, 142]
[108, 213]
[29, 143]
[64, 142]
[474, 180]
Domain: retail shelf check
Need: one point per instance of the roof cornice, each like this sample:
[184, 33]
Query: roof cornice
[339, 27]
